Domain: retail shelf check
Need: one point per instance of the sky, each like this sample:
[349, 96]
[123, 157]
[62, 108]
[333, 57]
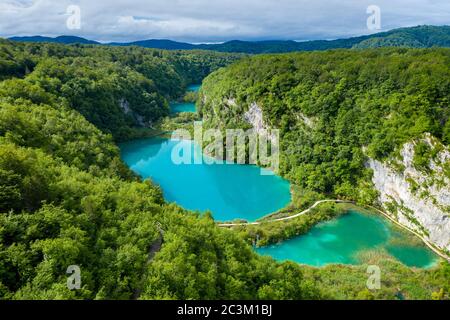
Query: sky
[209, 21]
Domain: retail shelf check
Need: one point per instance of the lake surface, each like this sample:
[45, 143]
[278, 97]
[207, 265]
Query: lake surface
[194, 87]
[229, 191]
[178, 107]
[232, 191]
[341, 240]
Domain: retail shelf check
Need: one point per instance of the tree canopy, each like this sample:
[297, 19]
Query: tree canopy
[67, 199]
[331, 106]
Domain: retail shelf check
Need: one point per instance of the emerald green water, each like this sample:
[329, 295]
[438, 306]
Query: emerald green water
[229, 191]
[342, 240]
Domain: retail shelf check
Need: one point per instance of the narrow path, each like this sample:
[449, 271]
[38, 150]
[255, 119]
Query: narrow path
[154, 248]
[225, 225]
[429, 245]
[435, 250]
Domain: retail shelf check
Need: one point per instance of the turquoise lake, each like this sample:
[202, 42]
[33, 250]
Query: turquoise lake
[229, 191]
[232, 191]
[178, 107]
[341, 240]
[194, 87]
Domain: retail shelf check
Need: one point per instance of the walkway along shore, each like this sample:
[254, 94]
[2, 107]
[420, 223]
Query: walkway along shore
[429, 245]
[435, 250]
[225, 225]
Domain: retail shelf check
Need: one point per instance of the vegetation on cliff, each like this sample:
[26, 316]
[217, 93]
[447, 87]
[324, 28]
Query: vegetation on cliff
[331, 106]
[67, 199]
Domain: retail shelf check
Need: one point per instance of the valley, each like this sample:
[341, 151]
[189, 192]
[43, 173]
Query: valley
[69, 195]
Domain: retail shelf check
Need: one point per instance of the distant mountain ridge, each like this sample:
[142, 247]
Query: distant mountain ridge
[60, 39]
[158, 44]
[415, 37]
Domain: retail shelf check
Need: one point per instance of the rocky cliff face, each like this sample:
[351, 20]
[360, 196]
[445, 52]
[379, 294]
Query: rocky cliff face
[139, 120]
[416, 198]
[254, 116]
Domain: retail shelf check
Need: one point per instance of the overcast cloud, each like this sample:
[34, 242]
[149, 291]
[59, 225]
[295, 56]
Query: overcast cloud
[213, 20]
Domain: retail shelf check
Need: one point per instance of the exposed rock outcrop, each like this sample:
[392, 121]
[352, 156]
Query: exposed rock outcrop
[125, 106]
[254, 116]
[417, 199]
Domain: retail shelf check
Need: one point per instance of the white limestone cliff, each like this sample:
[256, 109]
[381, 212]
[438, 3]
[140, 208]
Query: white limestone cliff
[417, 199]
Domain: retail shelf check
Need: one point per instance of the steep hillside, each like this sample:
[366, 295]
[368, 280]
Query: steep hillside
[414, 188]
[116, 89]
[342, 114]
[66, 198]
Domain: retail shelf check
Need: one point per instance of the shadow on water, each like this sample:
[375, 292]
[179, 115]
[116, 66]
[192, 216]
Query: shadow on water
[141, 149]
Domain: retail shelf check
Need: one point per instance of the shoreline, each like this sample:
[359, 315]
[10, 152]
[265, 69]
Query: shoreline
[260, 221]
[409, 240]
[425, 241]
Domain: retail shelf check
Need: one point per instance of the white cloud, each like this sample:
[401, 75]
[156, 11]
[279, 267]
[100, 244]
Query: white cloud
[214, 20]
[183, 27]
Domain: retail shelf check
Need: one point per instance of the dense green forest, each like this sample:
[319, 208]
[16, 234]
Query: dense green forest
[331, 106]
[66, 198]
[413, 37]
[336, 109]
[116, 89]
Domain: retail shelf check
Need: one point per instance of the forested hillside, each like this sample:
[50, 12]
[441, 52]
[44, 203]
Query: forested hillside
[116, 89]
[370, 126]
[67, 199]
[336, 108]
[413, 37]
